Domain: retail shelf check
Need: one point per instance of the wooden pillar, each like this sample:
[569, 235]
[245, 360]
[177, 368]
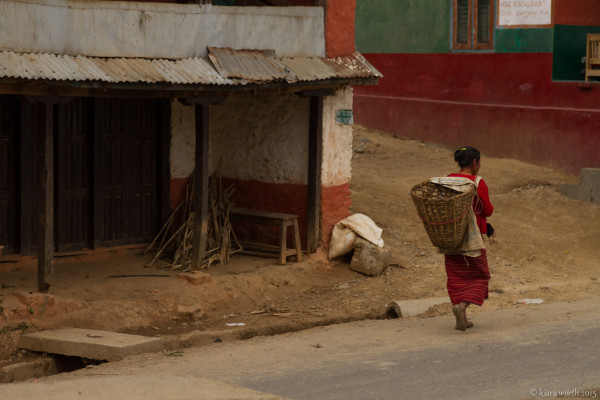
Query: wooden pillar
[45, 192]
[201, 175]
[45, 213]
[315, 159]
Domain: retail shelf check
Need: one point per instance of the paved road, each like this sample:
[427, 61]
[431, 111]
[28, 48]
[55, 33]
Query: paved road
[507, 355]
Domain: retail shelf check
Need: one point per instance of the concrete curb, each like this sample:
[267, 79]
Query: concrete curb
[204, 338]
[411, 308]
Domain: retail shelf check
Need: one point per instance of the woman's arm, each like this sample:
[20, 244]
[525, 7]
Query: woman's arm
[486, 206]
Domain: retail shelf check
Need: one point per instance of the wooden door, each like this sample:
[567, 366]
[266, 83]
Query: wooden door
[9, 210]
[126, 170]
[32, 129]
[73, 175]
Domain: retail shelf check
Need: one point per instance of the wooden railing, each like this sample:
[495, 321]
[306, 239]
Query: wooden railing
[592, 62]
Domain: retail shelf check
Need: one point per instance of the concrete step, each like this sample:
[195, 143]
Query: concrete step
[91, 344]
[21, 370]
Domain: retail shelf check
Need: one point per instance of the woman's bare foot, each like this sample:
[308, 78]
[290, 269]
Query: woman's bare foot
[459, 313]
[462, 309]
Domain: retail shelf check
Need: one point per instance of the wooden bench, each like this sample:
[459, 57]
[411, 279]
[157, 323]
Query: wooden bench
[282, 221]
[592, 59]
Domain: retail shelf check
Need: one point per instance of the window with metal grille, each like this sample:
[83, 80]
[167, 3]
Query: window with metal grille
[472, 24]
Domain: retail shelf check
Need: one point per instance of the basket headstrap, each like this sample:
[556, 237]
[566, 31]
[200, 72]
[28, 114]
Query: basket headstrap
[477, 180]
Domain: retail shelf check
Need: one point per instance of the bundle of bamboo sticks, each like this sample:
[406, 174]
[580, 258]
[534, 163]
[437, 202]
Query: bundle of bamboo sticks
[172, 246]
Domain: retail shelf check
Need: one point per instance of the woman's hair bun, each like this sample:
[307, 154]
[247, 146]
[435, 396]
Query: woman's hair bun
[459, 155]
[465, 155]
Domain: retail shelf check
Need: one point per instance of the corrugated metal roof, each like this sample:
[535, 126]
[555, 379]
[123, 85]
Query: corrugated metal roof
[225, 67]
[250, 65]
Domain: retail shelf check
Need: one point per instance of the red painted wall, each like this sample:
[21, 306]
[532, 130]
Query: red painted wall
[339, 27]
[335, 206]
[284, 198]
[577, 12]
[505, 104]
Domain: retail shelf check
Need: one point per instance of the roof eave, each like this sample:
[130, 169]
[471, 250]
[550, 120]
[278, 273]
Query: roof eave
[166, 90]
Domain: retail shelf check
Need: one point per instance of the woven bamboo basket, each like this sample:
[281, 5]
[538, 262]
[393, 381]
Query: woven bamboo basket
[444, 213]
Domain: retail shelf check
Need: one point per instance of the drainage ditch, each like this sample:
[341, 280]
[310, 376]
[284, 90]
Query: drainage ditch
[32, 365]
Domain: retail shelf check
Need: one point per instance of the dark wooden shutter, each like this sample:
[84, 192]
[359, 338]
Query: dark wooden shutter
[462, 24]
[73, 229]
[33, 117]
[126, 171]
[9, 117]
[484, 23]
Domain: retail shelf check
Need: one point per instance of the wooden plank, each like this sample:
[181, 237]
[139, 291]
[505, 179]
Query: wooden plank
[201, 172]
[265, 249]
[73, 176]
[282, 242]
[315, 157]
[261, 214]
[9, 136]
[165, 170]
[46, 202]
[127, 171]
[32, 126]
[297, 241]
[97, 183]
[167, 91]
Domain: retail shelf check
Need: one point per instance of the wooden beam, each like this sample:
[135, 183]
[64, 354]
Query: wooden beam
[165, 170]
[137, 90]
[315, 157]
[315, 92]
[200, 230]
[202, 100]
[46, 201]
[201, 174]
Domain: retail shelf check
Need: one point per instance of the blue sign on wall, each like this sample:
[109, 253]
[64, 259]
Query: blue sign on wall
[344, 117]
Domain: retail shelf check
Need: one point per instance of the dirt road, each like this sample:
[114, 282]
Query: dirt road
[547, 247]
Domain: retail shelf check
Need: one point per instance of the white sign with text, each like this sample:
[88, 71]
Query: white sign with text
[524, 12]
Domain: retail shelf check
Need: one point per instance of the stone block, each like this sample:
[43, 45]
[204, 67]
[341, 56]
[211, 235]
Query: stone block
[27, 369]
[369, 259]
[91, 344]
[196, 278]
[190, 312]
[588, 188]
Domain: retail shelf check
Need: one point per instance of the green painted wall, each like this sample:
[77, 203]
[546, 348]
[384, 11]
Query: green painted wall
[524, 40]
[402, 26]
[569, 47]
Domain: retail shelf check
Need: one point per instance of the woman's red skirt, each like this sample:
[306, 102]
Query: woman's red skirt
[468, 278]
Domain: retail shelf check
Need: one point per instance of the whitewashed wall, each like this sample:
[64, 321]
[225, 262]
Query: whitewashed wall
[265, 138]
[156, 30]
[337, 140]
[183, 140]
[262, 138]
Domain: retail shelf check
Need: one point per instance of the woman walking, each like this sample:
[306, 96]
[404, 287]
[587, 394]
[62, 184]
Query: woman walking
[468, 276]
